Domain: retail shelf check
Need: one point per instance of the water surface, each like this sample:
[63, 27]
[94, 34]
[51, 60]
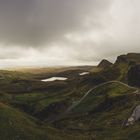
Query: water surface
[83, 73]
[54, 79]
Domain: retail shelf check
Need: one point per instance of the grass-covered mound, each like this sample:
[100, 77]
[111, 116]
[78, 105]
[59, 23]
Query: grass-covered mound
[102, 94]
[15, 125]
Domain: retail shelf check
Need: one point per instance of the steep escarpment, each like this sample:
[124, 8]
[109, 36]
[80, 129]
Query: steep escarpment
[134, 75]
[127, 67]
[130, 67]
[128, 58]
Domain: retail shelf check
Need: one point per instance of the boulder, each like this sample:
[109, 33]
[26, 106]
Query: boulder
[134, 117]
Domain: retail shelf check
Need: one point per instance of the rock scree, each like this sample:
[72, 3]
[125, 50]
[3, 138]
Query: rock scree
[134, 117]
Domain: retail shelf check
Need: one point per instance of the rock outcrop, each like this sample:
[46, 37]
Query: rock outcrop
[121, 59]
[134, 117]
[129, 58]
[104, 64]
[133, 76]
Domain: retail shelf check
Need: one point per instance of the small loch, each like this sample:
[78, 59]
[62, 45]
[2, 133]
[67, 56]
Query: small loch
[54, 79]
[83, 73]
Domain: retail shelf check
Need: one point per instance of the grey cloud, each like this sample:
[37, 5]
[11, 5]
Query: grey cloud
[36, 22]
[67, 31]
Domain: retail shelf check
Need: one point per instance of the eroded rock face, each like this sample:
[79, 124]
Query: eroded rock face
[130, 57]
[134, 76]
[134, 117]
[122, 59]
[104, 64]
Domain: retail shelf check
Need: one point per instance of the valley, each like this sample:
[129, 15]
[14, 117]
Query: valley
[65, 103]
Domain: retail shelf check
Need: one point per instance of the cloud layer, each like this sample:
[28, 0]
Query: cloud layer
[67, 32]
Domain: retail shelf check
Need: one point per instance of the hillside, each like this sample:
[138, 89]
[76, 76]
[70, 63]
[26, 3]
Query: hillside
[16, 125]
[93, 105]
[102, 112]
[101, 94]
[125, 69]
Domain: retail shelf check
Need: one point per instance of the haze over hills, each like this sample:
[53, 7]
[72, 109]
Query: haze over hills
[95, 105]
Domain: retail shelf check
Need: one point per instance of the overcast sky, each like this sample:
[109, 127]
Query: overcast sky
[67, 32]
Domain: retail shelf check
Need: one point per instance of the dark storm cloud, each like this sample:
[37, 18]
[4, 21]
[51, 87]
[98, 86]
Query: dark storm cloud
[35, 22]
[67, 32]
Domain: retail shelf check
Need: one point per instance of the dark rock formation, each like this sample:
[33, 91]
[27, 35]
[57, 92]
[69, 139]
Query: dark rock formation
[122, 59]
[128, 58]
[133, 76]
[134, 117]
[104, 64]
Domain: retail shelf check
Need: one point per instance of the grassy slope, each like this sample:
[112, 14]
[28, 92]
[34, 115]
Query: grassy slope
[34, 103]
[102, 112]
[101, 93]
[15, 125]
[98, 116]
